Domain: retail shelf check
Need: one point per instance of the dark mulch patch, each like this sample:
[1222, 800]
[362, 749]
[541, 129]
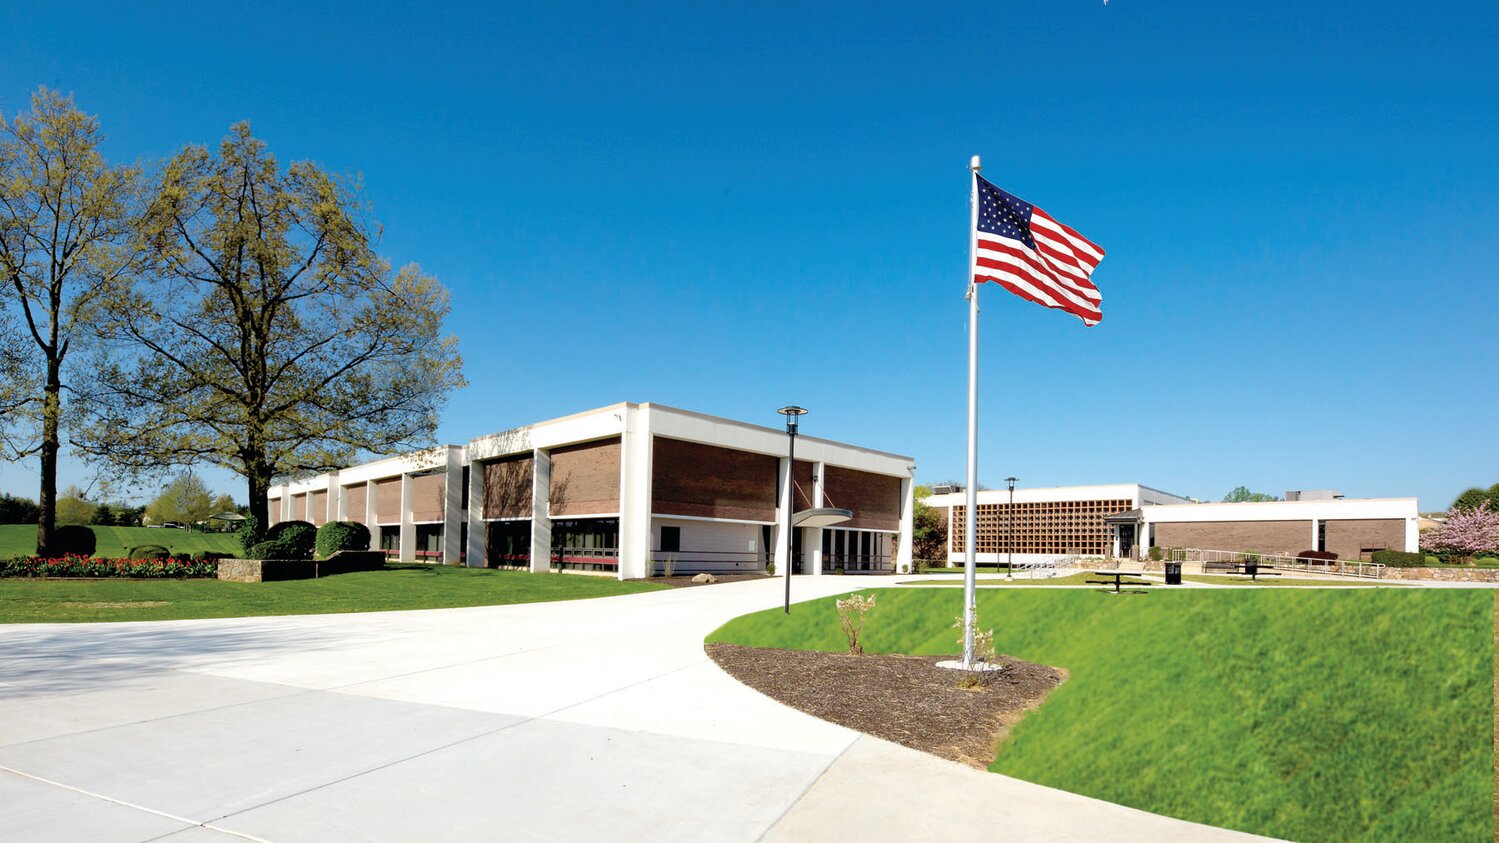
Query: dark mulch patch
[905, 699]
[685, 581]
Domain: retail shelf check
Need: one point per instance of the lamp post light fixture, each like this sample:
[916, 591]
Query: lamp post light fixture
[1010, 533]
[793, 415]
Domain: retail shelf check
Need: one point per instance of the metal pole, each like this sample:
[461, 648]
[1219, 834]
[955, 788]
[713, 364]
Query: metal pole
[970, 528]
[791, 486]
[1010, 534]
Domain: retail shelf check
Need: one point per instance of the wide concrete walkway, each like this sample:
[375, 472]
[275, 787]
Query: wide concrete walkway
[585, 720]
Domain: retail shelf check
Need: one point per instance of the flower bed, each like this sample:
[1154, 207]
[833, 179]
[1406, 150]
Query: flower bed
[88, 566]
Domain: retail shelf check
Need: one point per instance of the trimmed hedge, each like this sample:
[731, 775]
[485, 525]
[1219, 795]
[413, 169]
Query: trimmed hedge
[149, 551]
[291, 540]
[341, 535]
[86, 566]
[1319, 555]
[1398, 559]
[74, 540]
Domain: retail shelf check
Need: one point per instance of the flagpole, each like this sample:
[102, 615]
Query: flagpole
[970, 530]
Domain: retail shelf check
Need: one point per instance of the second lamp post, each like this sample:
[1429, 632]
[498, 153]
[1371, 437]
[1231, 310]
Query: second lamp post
[792, 414]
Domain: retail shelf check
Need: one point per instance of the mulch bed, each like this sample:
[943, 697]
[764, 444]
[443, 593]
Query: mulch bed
[685, 581]
[904, 699]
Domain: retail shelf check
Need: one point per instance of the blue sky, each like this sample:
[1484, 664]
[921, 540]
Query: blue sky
[729, 207]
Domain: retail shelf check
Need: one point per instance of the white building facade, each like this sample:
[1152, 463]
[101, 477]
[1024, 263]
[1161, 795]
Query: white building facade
[624, 489]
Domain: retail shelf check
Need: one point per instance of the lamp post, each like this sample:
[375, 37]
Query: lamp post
[792, 413]
[1010, 533]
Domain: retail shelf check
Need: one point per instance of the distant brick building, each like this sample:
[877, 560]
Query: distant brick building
[1125, 520]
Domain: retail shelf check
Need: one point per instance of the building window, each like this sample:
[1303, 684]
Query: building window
[507, 543]
[390, 539]
[585, 541]
[429, 542]
[671, 539]
[1321, 535]
[853, 550]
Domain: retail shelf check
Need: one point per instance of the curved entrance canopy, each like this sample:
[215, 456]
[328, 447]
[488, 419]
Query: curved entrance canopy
[822, 517]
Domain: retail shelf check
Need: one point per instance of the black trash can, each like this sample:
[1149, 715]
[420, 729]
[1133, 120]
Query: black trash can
[1173, 573]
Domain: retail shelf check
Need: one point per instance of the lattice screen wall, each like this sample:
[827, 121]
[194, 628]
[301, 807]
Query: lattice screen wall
[1059, 527]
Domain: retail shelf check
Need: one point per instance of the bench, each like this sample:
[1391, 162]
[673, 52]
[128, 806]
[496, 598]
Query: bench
[1118, 578]
[1254, 572]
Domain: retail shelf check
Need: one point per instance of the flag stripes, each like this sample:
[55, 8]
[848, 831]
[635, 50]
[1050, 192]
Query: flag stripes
[1026, 251]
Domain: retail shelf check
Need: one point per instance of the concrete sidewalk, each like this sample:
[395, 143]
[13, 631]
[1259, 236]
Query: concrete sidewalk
[582, 720]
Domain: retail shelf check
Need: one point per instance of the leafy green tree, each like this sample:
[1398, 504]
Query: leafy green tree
[1475, 497]
[266, 336]
[74, 507]
[185, 500]
[127, 515]
[19, 388]
[104, 515]
[928, 528]
[65, 220]
[1241, 494]
[15, 510]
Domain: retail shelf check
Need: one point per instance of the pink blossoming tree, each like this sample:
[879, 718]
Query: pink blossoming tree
[1467, 532]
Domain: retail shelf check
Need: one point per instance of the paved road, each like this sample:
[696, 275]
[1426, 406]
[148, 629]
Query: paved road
[585, 720]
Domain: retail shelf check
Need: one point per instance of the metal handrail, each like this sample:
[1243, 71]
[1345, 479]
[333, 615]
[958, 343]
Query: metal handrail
[1282, 561]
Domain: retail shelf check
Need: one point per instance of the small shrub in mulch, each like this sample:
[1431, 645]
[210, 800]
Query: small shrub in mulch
[904, 699]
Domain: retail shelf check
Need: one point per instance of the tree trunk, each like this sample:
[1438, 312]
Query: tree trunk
[258, 477]
[46, 521]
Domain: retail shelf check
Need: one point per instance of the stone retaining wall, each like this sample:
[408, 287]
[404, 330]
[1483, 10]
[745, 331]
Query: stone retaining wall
[1443, 574]
[278, 570]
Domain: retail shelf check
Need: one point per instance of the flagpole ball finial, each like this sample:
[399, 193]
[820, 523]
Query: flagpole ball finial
[974, 165]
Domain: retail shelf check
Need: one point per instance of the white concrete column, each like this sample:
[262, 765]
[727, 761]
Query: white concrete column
[334, 510]
[478, 537]
[635, 467]
[452, 509]
[541, 511]
[904, 555]
[1313, 545]
[408, 526]
[1412, 535]
[372, 513]
[782, 535]
[812, 537]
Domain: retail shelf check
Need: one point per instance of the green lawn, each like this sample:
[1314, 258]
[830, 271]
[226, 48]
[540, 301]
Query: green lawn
[397, 587]
[20, 540]
[1314, 715]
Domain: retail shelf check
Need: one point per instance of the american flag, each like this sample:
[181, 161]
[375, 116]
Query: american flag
[1024, 250]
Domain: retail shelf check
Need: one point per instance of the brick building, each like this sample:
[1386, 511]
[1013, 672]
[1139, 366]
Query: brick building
[1125, 520]
[620, 488]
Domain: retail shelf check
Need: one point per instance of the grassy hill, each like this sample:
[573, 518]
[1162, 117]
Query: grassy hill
[20, 540]
[1306, 714]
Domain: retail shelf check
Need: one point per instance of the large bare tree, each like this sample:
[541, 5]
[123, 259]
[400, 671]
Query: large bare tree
[265, 335]
[65, 218]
